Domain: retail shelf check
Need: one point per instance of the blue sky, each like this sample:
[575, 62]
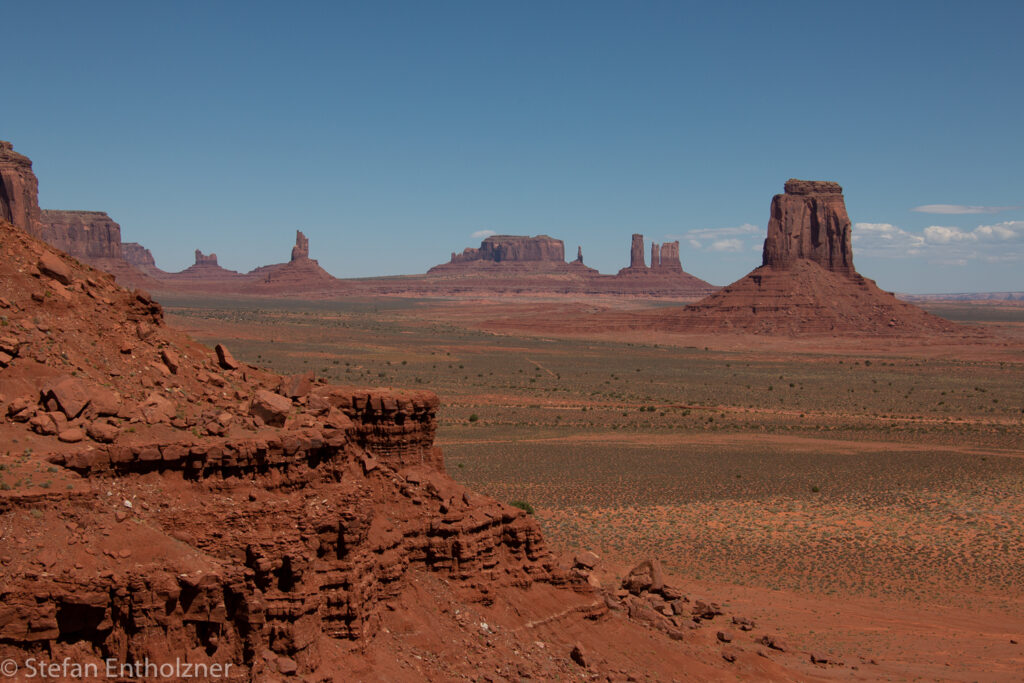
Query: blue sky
[391, 133]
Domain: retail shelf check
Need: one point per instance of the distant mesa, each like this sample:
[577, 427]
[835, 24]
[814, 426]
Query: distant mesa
[205, 259]
[510, 249]
[137, 255]
[300, 274]
[664, 259]
[807, 283]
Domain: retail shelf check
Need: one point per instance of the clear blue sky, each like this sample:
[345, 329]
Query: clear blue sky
[390, 133]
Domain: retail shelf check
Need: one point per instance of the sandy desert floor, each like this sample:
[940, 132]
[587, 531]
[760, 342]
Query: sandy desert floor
[865, 496]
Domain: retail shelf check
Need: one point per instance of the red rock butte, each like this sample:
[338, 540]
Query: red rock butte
[807, 284]
[809, 221]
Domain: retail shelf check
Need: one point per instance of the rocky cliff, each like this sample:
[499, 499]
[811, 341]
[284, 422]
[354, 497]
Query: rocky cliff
[19, 190]
[83, 234]
[198, 507]
[137, 255]
[809, 221]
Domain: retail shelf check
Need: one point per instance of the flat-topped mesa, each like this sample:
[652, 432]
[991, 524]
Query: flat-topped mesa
[809, 222]
[209, 259]
[301, 248]
[86, 235]
[137, 255]
[19, 190]
[514, 248]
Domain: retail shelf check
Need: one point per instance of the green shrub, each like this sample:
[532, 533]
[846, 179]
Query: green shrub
[523, 505]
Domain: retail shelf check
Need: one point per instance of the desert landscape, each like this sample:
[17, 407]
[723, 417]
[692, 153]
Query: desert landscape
[511, 342]
[797, 477]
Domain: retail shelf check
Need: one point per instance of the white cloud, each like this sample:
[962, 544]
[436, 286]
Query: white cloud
[960, 209]
[947, 245]
[938, 234]
[713, 233]
[720, 239]
[482, 234]
[732, 244]
[1010, 230]
[885, 239]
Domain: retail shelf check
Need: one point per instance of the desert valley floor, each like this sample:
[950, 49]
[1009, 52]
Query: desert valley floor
[863, 496]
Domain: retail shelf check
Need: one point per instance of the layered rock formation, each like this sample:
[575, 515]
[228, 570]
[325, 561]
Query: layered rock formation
[807, 284]
[208, 259]
[301, 249]
[514, 249]
[137, 255]
[809, 222]
[86, 235]
[254, 544]
[636, 252]
[300, 274]
[664, 260]
[19, 190]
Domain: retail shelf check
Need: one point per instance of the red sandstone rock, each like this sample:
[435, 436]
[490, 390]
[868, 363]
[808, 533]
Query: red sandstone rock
[514, 248]
[157, 408]
[86, 235]
[205, 259]
[636, 252]
[19, 190]
[668, 259]
[272, 408]
[646, 576]
[225, 359]
[53, 267]
[137, 255]
[301, 249]
[809, 221]
[67, 394]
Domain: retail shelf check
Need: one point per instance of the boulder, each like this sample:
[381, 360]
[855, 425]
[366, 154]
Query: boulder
[102, 431]
[157, 408]
[67, 394]
[646, 576]
[171, 360]
[54, 267]
[272, 408]
[225, 359]
[297, 386]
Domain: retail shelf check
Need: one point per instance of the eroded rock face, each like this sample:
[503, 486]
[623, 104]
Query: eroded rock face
[228, 540]
[636, 252]
[85, 235]
[514, 248]
[205, 259]
[668, 258]
[137, 255]
[809, 221]
[301, 249]
[19, 190]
